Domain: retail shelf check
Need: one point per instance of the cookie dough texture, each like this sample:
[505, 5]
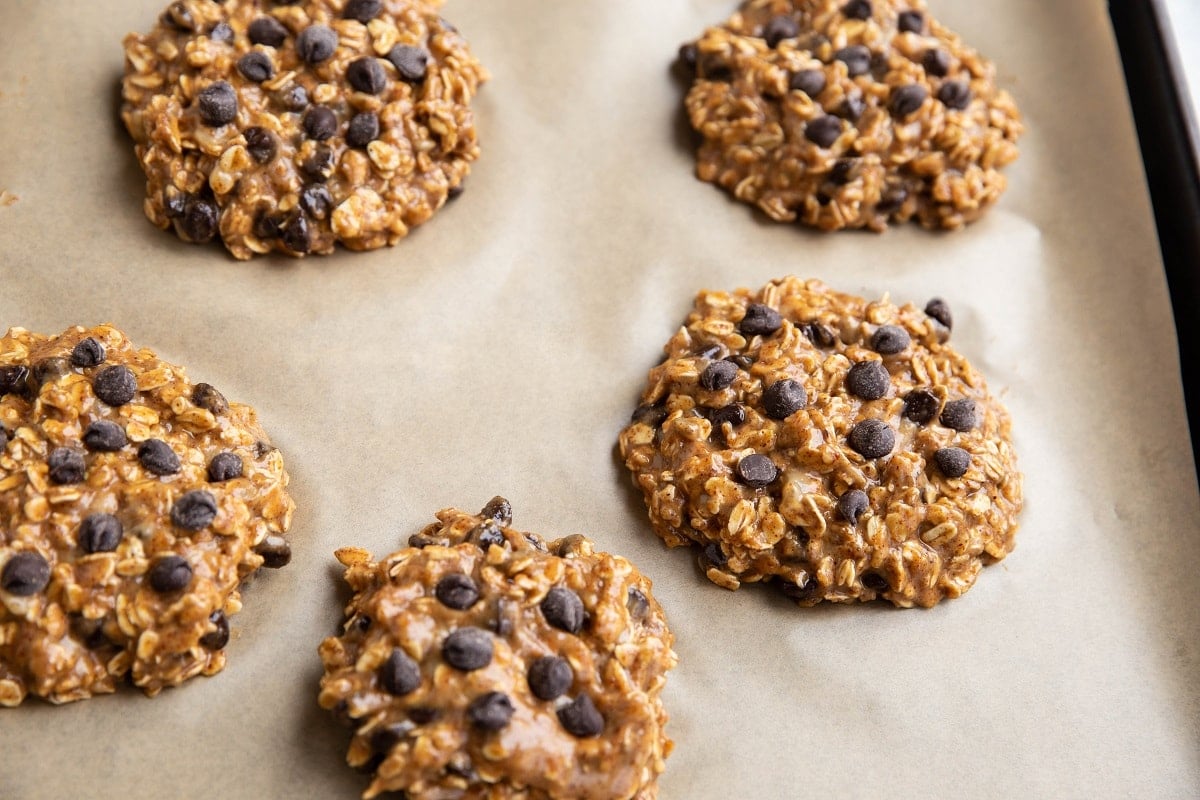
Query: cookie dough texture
[133, 504]
[480, 662]
[836, 446]
[294, 126]
[849, 114]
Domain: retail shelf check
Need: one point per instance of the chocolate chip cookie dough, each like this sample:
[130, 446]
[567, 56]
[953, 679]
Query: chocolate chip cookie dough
[132, 505]
[849, 114]
[839, 447]
[480, 662]
[292, 126]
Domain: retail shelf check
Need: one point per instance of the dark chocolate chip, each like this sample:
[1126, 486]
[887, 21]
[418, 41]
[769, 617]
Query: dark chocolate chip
[487, 534]
[174, 202]
[920, 406]
[905, 100]
[890, 339]
[939, 309]
[491, 711]
[100, 533]
[363, 129]
[294, 98]
[856, 57]
[320, 123]
[780, 28]
[955, 94]
[809, 81]
[563, 609]
[221, 32]
[502, 624]
[217, 639]
[267, 225]
[256, 66]
[936, 62]
[455, 191]
[66, 466]
[823, 131]
[275, 551]
[852, 108]
[760, 320]
[362, 623]
[953, 462]
[818, 334]
[550, 677]
[218, 104]
[872, 438]
[742, 361]
[784, 398]
[422, 716]
[158, 457]
[637, 603]
[868, 380]
[718, 375]
[842, 172]
[194, 511]
[296, 235]
[178, 16]
[756, 471]
[400, 674]
[652, 415]
[468, 649]
[201, 220]
[170, 574]
[410, 62]
[875, 582]
[89, 631]
[852, 505]
[734, 414]
[103, 436]
[715, 555]
[959, 414]
[714, 67]
[25, 574]
[88, 353]
[498, 509]
[362, 10]
[457, 591]
[687, 57]
[316, 202]
[13, 378]
[224, 467]
[316, 43]
[260, 144]
[385, 737]
[48, 370]
[911, 22]
[857, 9]
[891, 200]
[366, 75]
[268, 31]
[207, 397]
[581, 718]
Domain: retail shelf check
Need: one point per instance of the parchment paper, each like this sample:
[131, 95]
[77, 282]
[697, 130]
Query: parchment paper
[502, 346]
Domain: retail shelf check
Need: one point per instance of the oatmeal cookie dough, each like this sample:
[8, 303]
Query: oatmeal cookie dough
[849, 114]
[132, 505]
[839, 447]
[480, 662]
[292, 126]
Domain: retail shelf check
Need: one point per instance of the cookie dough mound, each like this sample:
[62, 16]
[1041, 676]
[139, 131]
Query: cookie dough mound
[132, 505]
[481, 663]
[849, 114]
[838, 446]
[294, 126]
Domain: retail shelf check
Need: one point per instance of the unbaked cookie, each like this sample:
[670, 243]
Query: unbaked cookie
[480, 662]
[292, 126]
[849, 114]
[132, 505]
[837, 446]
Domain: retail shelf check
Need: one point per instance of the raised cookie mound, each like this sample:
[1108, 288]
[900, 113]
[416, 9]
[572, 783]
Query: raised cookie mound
[849, 114]
[480, 662]
[837, 446]
[132, 505]
[292, 126]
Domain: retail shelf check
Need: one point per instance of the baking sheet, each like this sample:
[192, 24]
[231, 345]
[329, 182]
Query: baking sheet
[501, 347]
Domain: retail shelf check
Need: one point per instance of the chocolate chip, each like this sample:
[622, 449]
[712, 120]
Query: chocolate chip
[207, 397]
[875, 582]
[939, 309]
[809, 81]
[818, 334]
[852, 505]
[842, 172]
[294, 98]
[362, 10]
[12, 379]
[550, 677]
[320, 123]
[784, 398]
[468, 649]
[868, 380]
[256, 66]
[316, 202]
[715, 555]
[178, 16]
[260, 144]
[88, 353]
[218, 104]
[491, 711]
[955, 94]
[268, 31]
[400, 674]
[959, 415]
[906, 100]
[852, 108]
[953, 462]
[385, 737]
[920, 406]
[857, 9]
[89, 631]
[296, 235]
[856, 57]
[734, 414]
[194, 511]
[581, 718]
[174, 202]
[362, 623]
[457, 591]
[636, 602]
[221, 32]
[158, 457]
[498, 509]
[365, 75]
[66, 466]
[170, 574]
[422, 716]
[25, 574]
[687, 57]
[201, 220]
[100, 533]
[891, 200]
[487, 534]
[316, 43]
[363, 129]
[911, 22]
[48, 370]
[275, 551]
[823, 131]
[890, 339]
[936, 62]
[652, 415]
[455, 191]
[718, 375]
[115, 385]
[103, 436]
[760, 320]
[742, 361]
[410, 62]
[756, 471]
[872, 439]
[780, 28]
[563, 609]
[224, 467]
[217, 639]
